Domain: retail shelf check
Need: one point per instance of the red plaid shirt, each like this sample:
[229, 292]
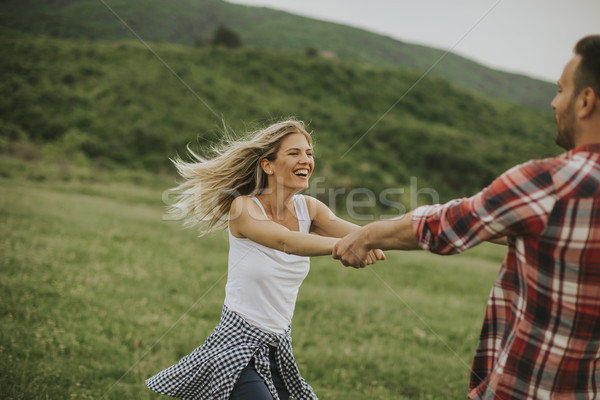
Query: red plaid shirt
[541, 334]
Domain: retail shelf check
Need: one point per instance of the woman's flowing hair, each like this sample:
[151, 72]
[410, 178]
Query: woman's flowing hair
[232, 168]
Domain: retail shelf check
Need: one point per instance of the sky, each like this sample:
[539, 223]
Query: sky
[529, 37]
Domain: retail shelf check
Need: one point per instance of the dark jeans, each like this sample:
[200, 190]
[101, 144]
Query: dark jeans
[250, 386]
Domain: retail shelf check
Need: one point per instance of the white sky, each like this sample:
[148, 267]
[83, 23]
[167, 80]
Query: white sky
[530, 37]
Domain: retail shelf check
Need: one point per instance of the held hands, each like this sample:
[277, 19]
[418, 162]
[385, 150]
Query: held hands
[352, 250]
[360, 248]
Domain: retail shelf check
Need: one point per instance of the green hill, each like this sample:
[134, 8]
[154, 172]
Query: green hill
[116, 103]
[189, 22]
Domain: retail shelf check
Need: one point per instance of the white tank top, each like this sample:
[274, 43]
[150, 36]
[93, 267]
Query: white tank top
[262, 283]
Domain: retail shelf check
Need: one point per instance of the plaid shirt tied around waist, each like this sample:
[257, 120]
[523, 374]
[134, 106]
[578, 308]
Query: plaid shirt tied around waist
[211, 370]
[541, 333]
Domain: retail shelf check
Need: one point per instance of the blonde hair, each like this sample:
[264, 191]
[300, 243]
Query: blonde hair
[231, 169]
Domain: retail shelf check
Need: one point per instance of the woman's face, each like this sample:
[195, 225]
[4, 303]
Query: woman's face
[294, 162]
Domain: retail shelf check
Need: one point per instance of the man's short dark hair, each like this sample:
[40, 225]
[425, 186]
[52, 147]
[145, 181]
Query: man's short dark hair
[588, 72]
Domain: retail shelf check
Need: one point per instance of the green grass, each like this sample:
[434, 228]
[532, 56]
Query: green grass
[97, 293]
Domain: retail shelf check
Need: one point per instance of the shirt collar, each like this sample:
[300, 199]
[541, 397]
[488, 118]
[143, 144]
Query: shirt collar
[588, 148]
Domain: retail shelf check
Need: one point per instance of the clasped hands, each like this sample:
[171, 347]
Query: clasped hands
[353, 251]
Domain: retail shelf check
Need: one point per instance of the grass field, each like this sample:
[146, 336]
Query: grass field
[97, 293]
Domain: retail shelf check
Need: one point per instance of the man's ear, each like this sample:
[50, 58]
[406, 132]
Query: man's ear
[587, 103]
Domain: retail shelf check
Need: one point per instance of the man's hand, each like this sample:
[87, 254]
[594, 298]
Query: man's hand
[352, 250]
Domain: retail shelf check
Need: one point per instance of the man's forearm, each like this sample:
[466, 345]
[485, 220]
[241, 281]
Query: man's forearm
[392, 234]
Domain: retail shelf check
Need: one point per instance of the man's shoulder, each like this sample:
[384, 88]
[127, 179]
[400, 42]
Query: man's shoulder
[549, 163]
[538, 169]
[568, 173]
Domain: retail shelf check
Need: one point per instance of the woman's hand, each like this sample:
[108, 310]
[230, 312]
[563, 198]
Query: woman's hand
[373, 256]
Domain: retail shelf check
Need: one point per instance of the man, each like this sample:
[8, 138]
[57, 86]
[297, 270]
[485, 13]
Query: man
[541, 333]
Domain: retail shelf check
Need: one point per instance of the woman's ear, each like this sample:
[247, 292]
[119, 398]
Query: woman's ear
[266, 166]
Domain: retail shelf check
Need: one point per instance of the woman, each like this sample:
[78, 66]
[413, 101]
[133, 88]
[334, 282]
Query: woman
[255, 182]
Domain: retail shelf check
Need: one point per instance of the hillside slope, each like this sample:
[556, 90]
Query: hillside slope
[188, 21]
[115, 102]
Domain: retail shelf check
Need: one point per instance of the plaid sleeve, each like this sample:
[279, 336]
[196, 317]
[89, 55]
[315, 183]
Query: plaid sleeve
[517, 203]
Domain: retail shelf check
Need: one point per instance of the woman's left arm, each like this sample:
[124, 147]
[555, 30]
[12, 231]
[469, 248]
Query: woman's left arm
[325, 223]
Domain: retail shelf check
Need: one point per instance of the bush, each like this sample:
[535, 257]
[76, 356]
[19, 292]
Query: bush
[226, 37]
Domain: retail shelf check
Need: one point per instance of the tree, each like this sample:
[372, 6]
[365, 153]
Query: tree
[226, 37]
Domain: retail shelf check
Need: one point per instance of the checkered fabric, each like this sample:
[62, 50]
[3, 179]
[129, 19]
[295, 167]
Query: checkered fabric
[541, 334]
[211, 370]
